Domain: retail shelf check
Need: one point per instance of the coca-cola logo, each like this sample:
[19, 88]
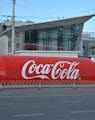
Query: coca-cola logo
[59, 70]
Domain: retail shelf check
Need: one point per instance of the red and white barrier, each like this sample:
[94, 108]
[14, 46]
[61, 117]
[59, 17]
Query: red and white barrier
[29, 70]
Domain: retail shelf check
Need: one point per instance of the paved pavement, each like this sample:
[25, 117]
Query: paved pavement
[47, 104]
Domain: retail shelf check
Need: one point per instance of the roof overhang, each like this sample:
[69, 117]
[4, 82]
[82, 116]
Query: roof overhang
[62, 22]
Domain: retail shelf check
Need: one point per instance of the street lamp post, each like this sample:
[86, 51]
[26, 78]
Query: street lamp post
[13, 26]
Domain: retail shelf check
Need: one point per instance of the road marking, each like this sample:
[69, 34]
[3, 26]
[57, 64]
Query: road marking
[28, 115]
[3, 104]
[71, 101]
[47, 95]
[87, 111]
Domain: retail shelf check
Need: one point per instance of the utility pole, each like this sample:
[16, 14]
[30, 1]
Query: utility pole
[13, 26]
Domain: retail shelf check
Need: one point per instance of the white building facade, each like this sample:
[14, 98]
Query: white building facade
[60, 37]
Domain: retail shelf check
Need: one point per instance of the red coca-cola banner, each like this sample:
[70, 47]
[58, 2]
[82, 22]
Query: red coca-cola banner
[46, 68]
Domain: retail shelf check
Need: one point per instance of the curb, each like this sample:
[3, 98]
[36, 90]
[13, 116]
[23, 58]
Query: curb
[45, 86]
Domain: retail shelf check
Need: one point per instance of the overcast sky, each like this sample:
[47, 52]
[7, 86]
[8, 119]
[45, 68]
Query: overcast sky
[47, 10]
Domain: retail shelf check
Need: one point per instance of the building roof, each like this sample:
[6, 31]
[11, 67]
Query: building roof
[62, 22]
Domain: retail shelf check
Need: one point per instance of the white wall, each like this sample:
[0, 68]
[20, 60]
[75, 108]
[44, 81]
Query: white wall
[4, 45]
[71, 54]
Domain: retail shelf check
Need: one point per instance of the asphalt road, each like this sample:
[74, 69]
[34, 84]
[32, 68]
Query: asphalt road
[47, 104]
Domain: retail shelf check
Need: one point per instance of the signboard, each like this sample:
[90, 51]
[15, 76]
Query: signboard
[46, 68]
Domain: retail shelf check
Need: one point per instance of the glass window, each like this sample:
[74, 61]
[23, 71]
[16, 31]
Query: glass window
[58, 38]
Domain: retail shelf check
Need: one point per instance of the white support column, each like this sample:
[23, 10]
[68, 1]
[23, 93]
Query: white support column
[13, 26]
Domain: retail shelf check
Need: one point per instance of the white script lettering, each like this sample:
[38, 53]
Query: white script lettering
[59, 70]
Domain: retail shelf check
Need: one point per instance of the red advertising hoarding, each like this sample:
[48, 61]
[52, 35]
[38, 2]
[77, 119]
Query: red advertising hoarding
[27, 68]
